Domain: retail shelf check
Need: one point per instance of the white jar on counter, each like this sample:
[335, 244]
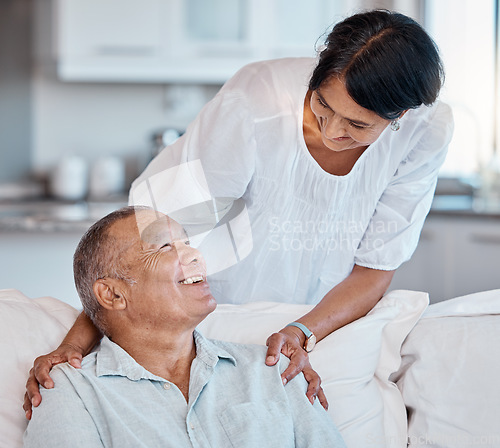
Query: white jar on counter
[107, 177]
[69, 179]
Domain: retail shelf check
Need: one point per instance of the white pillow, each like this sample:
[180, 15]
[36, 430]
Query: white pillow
[28, 328]
[449, 377]
[354, 362]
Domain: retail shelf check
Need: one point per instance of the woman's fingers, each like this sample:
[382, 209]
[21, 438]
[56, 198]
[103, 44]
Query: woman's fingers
[274, 345]
[314, 389]
[322, 398]
[298, 361]
[76, 360]
[39, 374]
[27, 406]
[41, 369]
[290, 346]
[32, 396]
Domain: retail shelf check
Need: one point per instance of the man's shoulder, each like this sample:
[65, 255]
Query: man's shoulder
[249, 354]
[237, 349]
[66, 370]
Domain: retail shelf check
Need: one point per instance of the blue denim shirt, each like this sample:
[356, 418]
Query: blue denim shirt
[235, 400]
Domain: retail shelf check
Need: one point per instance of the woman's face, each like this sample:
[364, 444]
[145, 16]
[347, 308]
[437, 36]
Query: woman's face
[343, 123]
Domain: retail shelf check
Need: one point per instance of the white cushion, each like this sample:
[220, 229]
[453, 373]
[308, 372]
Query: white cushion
[354, 362]
[449, 377]
[28, 328]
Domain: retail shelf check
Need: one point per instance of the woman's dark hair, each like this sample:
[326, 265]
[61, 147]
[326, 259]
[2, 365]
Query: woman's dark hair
[386, 59]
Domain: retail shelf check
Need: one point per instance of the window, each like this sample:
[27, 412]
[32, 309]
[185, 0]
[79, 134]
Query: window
[466, 33]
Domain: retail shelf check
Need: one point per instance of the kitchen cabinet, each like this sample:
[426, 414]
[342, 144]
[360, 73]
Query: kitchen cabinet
[185, 41]
[108, 29]
[456, 255]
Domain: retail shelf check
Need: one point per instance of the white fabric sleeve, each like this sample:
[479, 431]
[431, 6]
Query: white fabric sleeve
[394, 230]
[201, 174]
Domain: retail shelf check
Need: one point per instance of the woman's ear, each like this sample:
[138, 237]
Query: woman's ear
[109, 294]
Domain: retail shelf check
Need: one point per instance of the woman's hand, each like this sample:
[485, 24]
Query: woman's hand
[39, 374]
[289, 342]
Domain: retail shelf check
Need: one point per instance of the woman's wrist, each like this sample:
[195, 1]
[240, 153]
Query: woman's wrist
[83, 336]
[294, 333]
[308, 342]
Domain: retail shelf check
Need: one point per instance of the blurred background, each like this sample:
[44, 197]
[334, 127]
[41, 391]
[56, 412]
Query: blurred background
[91, 90]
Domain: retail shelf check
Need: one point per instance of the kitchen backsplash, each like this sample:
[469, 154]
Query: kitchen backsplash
[112, 119]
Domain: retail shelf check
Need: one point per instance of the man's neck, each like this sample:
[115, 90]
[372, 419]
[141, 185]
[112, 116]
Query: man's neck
[163, 354]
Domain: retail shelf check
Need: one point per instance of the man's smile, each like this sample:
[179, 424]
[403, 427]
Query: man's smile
[191, 280]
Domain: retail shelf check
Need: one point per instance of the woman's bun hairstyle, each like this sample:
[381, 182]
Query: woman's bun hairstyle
[387, 61]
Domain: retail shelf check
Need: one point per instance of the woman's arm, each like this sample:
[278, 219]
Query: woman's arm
[79, 341]
[349, 300]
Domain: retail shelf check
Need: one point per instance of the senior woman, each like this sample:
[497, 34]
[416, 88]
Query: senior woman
[336, 162]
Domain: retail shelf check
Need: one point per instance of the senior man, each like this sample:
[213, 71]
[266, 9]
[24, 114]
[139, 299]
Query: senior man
[155, 381]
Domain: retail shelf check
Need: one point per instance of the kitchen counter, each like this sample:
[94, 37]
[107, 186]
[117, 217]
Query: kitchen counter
[46, 215]
[465, 206]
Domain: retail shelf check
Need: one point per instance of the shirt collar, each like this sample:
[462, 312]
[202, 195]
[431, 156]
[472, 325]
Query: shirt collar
[209, 351]
[112, 360]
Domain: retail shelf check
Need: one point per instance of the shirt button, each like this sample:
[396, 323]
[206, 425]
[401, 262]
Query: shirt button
[191, 425]
[166, 386]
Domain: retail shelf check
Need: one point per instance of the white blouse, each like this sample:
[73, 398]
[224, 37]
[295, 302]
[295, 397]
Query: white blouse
[272, 224]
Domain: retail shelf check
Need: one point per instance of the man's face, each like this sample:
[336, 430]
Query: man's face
[170, 275]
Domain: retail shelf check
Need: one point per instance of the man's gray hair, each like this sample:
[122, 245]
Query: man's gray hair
[96, 257]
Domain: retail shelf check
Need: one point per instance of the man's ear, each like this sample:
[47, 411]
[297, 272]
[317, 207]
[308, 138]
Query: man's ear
[109, 293]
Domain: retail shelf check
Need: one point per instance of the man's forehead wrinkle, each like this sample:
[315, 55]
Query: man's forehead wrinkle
[157, 230]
